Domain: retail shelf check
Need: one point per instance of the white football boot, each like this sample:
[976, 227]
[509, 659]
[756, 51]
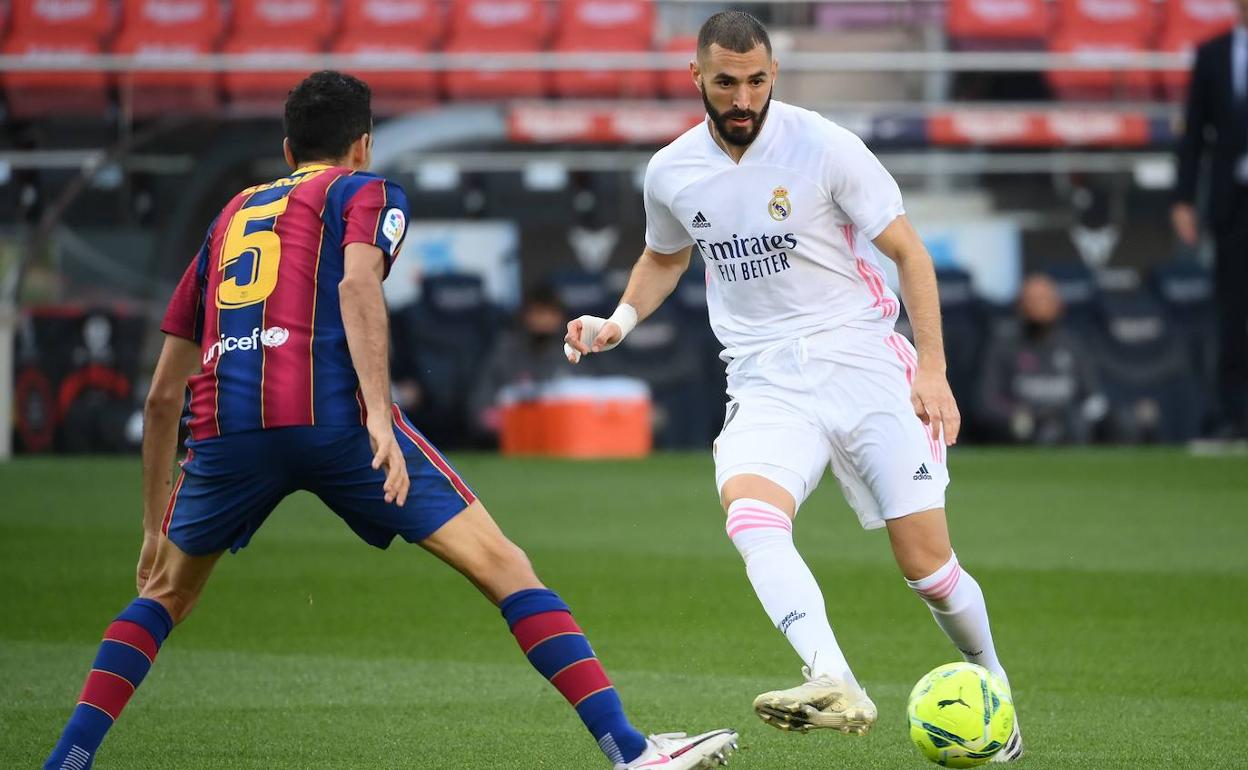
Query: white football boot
[821, 702]
[1012, 751]
[678, 751]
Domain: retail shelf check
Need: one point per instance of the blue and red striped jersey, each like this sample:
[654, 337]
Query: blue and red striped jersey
[261, 299]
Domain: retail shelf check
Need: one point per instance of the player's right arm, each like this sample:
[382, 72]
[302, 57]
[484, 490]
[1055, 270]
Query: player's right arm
[653, 279]
[162, 410]
[367, 326]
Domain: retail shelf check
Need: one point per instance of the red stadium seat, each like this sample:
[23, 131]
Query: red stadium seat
[1198, 18]
[998, 23]
[393, 91]
[676, 83]
[33, 94]
[1187, 24]
[1099, 28]
[1098, 84]
[168, 30]
[418, 22]
[606, 26]
[497, 22]
[91, 18]
[264, 93]
[628, 22]
[148, 93]
[495, 26]
[282, 19]
[172, 18]
[487, 83]
[1128, 19]
[641, 84]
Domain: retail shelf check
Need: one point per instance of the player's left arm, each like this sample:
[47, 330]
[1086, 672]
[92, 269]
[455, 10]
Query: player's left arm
[931, 396]
[162, 411]
[376, 223]
[366, 322]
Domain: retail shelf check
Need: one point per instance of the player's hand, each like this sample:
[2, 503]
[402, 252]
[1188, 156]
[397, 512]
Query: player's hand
[590, 334]
[933, 403]
[388, 457]
[147, 557]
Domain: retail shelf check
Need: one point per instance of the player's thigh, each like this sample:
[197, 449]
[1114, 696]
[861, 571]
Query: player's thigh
[884, 458]
[339, 471]
[767, 439]
[226, 489]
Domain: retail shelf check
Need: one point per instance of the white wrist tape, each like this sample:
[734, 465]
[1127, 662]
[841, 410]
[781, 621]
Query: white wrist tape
[625, 317]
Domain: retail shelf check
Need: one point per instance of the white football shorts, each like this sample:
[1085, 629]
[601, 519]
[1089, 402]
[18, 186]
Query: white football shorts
[839, 399]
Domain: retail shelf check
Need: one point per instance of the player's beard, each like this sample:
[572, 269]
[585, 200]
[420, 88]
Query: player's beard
[730, 134]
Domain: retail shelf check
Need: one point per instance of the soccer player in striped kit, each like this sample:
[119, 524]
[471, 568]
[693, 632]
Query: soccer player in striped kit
[778, 200]
[280, 329]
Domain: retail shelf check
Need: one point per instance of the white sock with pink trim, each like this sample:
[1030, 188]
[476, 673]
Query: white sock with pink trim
[764, 535]
[957, 604]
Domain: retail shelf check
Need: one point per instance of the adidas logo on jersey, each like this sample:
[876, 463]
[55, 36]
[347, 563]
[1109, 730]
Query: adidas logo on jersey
[700, 221]
[921, 474]
[272, 337]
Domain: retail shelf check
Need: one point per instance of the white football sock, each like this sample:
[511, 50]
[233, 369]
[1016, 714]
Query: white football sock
[764, 535]
[957, 604]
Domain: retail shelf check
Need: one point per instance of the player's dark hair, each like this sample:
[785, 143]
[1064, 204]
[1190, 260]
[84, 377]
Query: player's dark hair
[735, 31]
[325, 114]
[543, 294]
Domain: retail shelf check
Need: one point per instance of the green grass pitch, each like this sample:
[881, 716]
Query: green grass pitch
[1116, 581]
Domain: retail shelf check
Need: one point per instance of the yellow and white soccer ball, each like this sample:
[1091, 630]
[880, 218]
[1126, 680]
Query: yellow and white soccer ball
[960, 715]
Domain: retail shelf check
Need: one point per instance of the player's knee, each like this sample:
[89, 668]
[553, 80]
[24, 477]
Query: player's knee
[920, 559]
[508, 558]
[178, 602]
[749, 486]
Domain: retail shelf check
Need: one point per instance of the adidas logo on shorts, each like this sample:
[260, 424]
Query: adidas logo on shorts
[921, 474]
[700, 221]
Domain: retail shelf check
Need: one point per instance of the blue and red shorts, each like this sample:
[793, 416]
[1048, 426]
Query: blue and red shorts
[230, 484]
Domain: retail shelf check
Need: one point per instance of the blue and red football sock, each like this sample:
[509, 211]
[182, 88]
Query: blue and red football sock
[129, 647]
[555, 645]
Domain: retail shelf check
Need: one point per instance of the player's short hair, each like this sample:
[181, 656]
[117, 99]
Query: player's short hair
[544, 295]
[325, 114]
[733, 31]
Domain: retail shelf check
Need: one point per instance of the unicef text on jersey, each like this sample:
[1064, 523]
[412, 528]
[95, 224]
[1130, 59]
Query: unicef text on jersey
[272, 337]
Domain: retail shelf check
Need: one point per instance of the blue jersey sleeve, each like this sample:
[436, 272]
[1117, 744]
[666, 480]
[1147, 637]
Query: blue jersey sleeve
[376, 213]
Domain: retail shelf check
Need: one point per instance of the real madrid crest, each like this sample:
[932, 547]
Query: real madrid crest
[779, 206]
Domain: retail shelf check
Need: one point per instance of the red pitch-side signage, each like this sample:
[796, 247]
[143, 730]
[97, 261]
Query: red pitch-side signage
[607, 124]
[1021, 128]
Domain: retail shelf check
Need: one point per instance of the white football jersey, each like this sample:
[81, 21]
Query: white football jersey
[781, 230]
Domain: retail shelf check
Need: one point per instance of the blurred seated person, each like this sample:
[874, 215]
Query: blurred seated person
[1038, 384]
[406, 388]
[529, 354]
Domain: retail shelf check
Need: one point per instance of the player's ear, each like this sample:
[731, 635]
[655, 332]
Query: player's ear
[290, 156]
[696, 73]
[362, 152]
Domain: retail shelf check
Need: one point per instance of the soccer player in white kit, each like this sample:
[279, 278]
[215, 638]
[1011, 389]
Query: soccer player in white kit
[781, 202]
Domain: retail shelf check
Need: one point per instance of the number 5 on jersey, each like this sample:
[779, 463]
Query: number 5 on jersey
[249, 260]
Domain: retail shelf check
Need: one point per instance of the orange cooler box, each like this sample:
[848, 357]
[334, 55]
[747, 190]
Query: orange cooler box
[578, 417]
